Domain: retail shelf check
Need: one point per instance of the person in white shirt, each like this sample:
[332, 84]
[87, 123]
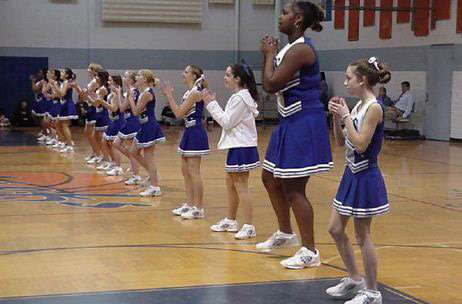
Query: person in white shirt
[239, 136]
[403, 105]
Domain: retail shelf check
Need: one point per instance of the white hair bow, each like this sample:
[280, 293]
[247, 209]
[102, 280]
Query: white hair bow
[373, 60]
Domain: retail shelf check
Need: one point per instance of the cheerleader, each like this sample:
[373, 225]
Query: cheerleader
[39, 107]
[116, 121]
[53, 95]
[90, 120]
[194, 142]
[150, 134]
[362, 193]
[67, 110]
[239, 136]
[299, 146]
[130, 126]
[101, 118]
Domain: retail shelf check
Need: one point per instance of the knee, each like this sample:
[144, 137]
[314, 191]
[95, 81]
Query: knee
[184, 170]
[194, 170]
[336, 231]
[292, 195]
[133, 152]
[360, 239]
[268, 179]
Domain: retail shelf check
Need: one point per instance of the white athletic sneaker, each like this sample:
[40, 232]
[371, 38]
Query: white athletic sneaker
[104, 166]
[346, 289]
[107, 166]
[247, 232]
[134, 180]
[193, 213]
[43, 139]
[94, 160]
[88, 157]
[303, 258]
[278, 240]
[67, 149]
[366, 296]
[51, 141]
[114, 171]
[58, 145]
[182, 209]
[151, 191]
[225, 225]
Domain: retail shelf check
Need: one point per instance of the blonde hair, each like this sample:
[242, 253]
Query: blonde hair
[198, 72]
[95, 68]
[150, 77]
[131, 76]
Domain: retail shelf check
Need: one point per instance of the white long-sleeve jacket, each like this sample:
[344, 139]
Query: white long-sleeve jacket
[237, 120]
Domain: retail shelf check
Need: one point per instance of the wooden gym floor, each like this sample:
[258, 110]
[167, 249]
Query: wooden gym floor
[71, 235]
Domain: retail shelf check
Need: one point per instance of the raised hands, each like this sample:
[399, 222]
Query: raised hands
[338, 106]
[208, 96]
[166, 88]
[269, 45]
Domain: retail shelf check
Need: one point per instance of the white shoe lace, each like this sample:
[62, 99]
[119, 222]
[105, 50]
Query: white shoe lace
[363, 298]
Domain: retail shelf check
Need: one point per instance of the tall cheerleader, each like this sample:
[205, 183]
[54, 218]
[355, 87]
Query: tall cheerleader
[299, 146]
[116, 121]
[67, 111]
[194, 143]
[130, 127]
[150, 134]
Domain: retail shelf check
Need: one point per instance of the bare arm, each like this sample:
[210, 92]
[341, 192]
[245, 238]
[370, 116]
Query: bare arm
[180, 111]
[124, 104]
[62, 91]
[337, 124]
[121, 102]
[55, 89]
[45, 92]
[113, 105]
[338, 132]
[360, 138]
[36, 88]
[138, 108]
[99, 98]
[297, 57]
[81, 92]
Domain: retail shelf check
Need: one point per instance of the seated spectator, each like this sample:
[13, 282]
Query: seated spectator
[23, 116]
[383, 98]
[4, 121]
[403, 106]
